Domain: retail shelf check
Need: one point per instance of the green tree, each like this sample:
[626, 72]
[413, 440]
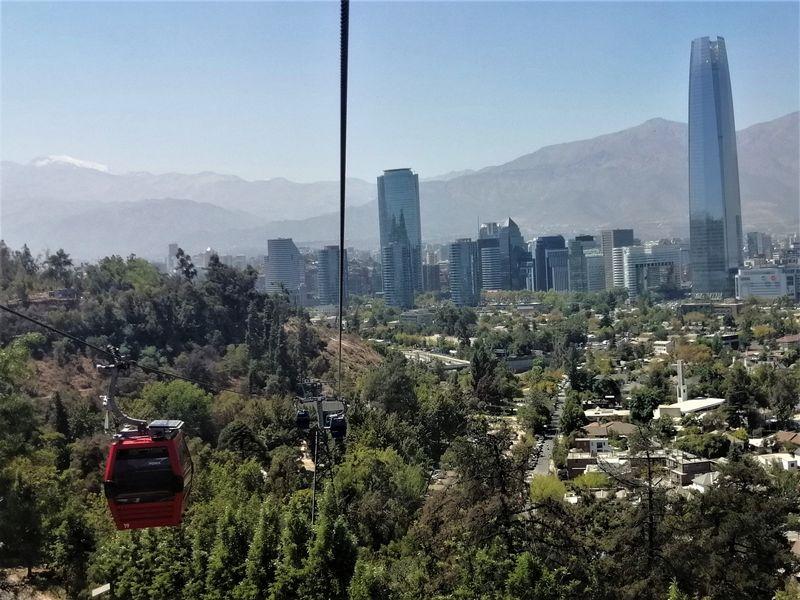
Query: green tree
[58, 266]
[547, 488]
[643, 402]
[262, 556]
[572, 417]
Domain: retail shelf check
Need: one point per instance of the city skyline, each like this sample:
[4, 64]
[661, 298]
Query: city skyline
[111, 115]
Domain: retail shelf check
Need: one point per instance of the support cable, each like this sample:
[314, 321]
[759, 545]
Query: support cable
[344, 43]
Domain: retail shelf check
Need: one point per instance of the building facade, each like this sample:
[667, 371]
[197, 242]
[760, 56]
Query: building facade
[642, 269]
[285, 269]
[610, 239]
[464, 273]
[768, 283]
[715, 213]
[541, 276]
[399, 223]
[328, 275]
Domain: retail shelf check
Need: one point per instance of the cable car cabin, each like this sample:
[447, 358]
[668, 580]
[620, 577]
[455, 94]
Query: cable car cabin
[338, 426]
[148, 476]
[303, 419]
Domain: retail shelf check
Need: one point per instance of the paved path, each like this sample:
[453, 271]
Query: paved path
[542, 461]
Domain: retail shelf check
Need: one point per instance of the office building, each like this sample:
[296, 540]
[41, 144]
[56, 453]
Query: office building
[285, 269]
[759, 245]
[172, 262]
[595, 270]
[399, 221]
[541, 273]
[328, 275]
[493, 271]
[715, 213]
[512, 255]
[768, 283]
[557, 269]
[642, 269]
[577, 265]
[431, 277]
[464, 273]
[610, 239]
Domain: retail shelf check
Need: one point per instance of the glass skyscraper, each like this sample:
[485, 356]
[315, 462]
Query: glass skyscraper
[715, 212]
[398, 217]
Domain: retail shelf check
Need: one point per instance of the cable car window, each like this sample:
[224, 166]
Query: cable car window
[142, 475]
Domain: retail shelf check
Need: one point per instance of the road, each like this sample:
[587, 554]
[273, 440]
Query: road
[542, 460]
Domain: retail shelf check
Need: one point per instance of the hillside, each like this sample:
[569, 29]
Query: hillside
[636, 177]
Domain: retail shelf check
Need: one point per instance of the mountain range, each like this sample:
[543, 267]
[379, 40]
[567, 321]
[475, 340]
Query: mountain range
[636, 178]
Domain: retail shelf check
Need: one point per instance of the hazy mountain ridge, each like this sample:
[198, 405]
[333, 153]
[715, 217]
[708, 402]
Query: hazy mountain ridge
[635, 177]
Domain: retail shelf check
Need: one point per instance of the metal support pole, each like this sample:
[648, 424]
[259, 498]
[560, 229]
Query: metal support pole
[314, 480]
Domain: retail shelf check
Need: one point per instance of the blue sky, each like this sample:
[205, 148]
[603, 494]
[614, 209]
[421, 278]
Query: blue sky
[252, 88]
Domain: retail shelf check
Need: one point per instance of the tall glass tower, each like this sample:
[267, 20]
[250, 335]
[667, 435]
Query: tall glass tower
[398, 216]
[715, 211]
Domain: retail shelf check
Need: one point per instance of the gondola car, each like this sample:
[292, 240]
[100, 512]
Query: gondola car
[148, 476]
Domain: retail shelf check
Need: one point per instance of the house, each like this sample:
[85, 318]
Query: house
[684, 467]
[788, 342]
[787, 438]
[784, 460]
[703, 482]
[418, 316]
[607, 413]
[593, 445]
[620, 428]
[663, 347]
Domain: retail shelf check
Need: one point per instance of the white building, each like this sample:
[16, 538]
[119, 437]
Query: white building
[643, 268]
[785, 460]
[768, 283]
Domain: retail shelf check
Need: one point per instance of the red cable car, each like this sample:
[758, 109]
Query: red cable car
[148, 476]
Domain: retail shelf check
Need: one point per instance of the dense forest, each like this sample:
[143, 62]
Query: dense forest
[384, 528]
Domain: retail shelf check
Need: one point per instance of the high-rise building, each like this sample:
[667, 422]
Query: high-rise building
[541, 272]
[464, 275]
[641, 269]
[512, 253]
[492, 274]
[715, 212]
[398, 216]
[431, 277]
[328, 275]
[595, 270]
[759, 244]
[577, 264]
[285, 269]
[172, 262]
[610, 239]
[557, 269]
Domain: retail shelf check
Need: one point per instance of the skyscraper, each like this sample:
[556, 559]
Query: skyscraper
[610, 239]
[396, 271]
[398, 216]
[491, 266]
[512, 255]
[715, 212]
[464, 282]
[328, 275]
[285, 269]
[578, 272]
[542, 279]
